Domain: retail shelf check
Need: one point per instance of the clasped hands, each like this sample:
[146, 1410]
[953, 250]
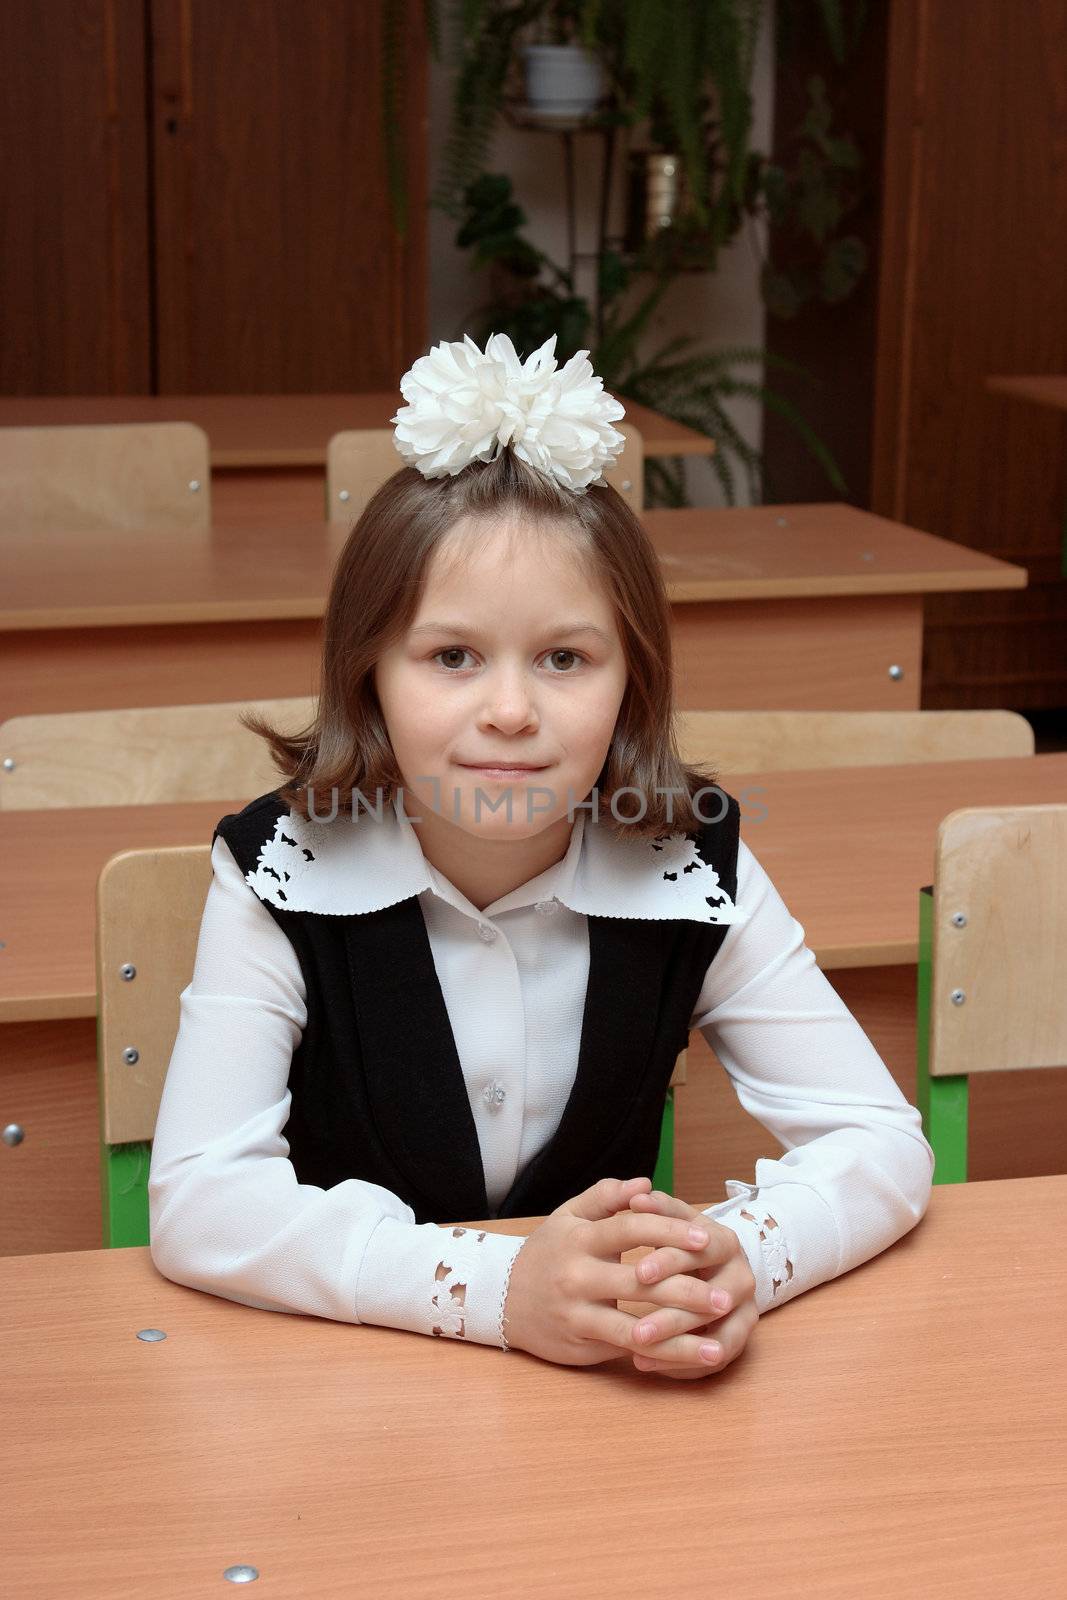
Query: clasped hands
[569, 1275]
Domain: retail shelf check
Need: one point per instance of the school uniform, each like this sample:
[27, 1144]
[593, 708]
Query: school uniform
[363, 1053]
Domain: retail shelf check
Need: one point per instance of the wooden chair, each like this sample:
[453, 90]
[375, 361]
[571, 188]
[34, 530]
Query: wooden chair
[771, 741]
[992, 958]
[146, 755]
[775, 741]
[151, 476]
[628, 473]
[359, 461]
[149, 905]
[141, 756]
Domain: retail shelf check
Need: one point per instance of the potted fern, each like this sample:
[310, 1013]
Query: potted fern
[682, 71]
[531, 297]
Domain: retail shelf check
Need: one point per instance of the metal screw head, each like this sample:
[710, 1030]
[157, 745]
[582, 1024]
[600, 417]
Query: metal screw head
[9, 763]
[959, 919]
[344, 495]
[241, 1574]
[151, 1335]
[13, 1134]
[896, 673]
[627, 483]
[958, 997]
[131, 1056]
[782, 522]
[194, 485]
[127, 971]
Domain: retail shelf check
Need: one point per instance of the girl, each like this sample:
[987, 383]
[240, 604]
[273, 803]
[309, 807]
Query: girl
[445, 969]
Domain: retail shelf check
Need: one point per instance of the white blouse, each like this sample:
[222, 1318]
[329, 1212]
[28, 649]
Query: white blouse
[228, 1215]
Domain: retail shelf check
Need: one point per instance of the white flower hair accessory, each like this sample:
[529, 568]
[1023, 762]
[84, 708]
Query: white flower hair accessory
[465, 405]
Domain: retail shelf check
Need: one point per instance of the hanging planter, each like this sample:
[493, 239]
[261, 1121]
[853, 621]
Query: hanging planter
[562, 80]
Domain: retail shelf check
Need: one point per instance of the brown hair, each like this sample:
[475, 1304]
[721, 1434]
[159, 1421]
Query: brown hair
[374, 596]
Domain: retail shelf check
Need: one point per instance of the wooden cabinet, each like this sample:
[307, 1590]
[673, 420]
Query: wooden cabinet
[959, 111]
[195, 198]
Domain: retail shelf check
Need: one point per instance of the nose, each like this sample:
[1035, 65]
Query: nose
[509, 702]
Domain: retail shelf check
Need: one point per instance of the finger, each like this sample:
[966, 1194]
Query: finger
[605, 1198]
[667, 1205]
[602, 1323]
[683, 1351]
[691, 1296]
[661, 1327]
[685, 1291]
[723, 1343]
[664, 1370]
[664, 1260]
[628, 1230]
[719, 1288]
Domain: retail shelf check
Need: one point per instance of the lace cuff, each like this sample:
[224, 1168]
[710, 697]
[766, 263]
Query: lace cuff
[787, 1233]
[451, 1283]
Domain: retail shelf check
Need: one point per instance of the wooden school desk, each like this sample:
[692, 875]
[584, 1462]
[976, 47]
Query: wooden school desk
[892, 1434]
[811, 606]
[270, 449]
[847, 849]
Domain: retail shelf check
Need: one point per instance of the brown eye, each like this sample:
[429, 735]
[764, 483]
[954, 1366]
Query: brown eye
[571, 653]
[454, 650]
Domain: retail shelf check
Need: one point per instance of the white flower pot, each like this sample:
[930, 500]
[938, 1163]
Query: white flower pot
[562, 80]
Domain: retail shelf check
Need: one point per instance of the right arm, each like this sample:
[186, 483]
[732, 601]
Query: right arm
[227, 1214]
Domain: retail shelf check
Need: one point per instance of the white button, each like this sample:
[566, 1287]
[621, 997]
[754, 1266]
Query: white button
[546, 907]
[486, 933]
[494, 1094]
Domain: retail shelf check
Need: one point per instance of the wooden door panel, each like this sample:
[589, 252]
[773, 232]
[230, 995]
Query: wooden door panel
[278, 268]
[74, 198]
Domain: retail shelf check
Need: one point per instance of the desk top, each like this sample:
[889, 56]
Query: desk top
[894, 1433]
[1045, 389]
[72, 579]
[286, 430]
[853, 885]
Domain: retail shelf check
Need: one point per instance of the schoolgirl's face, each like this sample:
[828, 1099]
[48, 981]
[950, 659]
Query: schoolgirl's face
[514, 659]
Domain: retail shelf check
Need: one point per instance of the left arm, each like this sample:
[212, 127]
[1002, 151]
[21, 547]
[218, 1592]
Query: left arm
[857, 1171]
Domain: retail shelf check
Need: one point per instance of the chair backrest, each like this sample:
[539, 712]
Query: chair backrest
[141, 756]
[154, 476]
[149, 905]
[360, 460]
[147, 755]
[628, 473]
[775, 741]
[999, 945]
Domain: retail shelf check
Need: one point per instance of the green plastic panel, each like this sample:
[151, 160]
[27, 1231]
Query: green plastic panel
[124, 1193]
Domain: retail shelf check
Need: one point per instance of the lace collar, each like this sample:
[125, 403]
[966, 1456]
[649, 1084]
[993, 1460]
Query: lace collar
[350, 867]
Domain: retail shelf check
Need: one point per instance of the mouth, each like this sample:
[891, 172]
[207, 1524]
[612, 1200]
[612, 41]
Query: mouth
[501, 771]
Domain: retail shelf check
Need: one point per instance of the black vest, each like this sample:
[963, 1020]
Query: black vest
[377, 1088]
